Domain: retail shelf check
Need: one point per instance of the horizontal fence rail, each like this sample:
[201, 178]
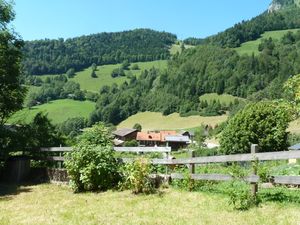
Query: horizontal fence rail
[143, 149]
[291, 180]
[266, 156]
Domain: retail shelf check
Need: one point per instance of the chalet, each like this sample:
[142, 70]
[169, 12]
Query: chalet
[177, 141]
[148, 138]
[163, 138]
[125, 134]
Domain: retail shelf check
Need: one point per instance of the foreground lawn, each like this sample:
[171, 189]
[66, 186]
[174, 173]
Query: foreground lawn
[58, 111]
[52, 204]
[156, 121]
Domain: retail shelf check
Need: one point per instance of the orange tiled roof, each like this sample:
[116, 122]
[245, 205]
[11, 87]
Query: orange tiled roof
[148, 136]
[153, 136]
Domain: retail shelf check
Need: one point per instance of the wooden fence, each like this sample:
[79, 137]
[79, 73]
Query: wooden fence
[192, 161]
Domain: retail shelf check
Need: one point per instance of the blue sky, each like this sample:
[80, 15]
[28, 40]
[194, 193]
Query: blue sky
[39, 19]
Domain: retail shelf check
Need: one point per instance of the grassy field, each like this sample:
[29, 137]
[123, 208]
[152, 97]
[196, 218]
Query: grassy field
[156, 121]
[58, 111]
[104, 75]
[252, 46]
[224, 98]
[53, 204]
[177, 48]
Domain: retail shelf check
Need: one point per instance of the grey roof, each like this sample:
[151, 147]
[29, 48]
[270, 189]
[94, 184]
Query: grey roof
[177, 138]
[124, 132]
[295, 147]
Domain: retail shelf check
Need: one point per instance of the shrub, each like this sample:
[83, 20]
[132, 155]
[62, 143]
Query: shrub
[136, 177]
[132, 143]
[262, 123]
[240, 195]
[91, 165]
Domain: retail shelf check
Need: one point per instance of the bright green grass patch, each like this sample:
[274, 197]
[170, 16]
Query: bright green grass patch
[224, 98]
[104, 75]
[58, 111]
[252, 46]
[53, 204]
[156, 121]
[177, 48]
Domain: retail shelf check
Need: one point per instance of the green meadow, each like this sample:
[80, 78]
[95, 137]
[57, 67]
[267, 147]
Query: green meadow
[157, 121]
[58, 111]
[104, 75]
[252, 46]
[224, 98]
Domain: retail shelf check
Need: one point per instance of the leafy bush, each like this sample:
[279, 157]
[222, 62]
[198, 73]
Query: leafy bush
[136, 177]
[262, 123]
[91, 165]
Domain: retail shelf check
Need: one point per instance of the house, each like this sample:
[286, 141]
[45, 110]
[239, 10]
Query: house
[149, 138]
[163, 138]
[190, 134]
[125, 134]
[177, 141]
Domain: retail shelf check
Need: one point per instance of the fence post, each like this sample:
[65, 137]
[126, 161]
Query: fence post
[254, 149]
[192, 171]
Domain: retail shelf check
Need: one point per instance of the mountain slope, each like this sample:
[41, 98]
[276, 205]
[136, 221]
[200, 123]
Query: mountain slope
[57, 56]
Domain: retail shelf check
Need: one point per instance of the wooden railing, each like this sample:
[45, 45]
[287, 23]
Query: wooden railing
[192, 161]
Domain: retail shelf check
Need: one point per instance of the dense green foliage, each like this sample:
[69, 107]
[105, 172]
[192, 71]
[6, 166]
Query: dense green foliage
[58, 56]
[262, 123]
[72, 127]
[12, 94]
[91, 165]
[28, 138]
[54, 88]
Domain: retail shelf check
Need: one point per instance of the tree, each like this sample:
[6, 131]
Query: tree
[12, 93]
[71, 73]
[137, 126]
[94, 67]
[93, 74]
[262, 123]
[125, 65]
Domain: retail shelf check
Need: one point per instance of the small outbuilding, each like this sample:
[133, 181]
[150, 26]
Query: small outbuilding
[177, 141]
[125, 134]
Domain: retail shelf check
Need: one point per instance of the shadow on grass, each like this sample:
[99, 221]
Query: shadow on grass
[7, 190]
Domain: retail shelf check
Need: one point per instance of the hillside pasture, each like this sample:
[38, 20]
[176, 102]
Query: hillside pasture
[252, 46]
[224, 98]
[157, 121]
[58, 111]
[104, 75]
[53, 204]
[176, 48]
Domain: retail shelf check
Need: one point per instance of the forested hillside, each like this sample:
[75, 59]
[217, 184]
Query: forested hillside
[205, 69]
[57, 56]
[287, 16]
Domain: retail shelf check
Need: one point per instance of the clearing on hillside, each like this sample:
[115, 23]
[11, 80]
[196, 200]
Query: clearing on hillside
[224, 98]
[252, 46]
[58, 111]
[177, 48]
[104, 75]
[156, 121]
